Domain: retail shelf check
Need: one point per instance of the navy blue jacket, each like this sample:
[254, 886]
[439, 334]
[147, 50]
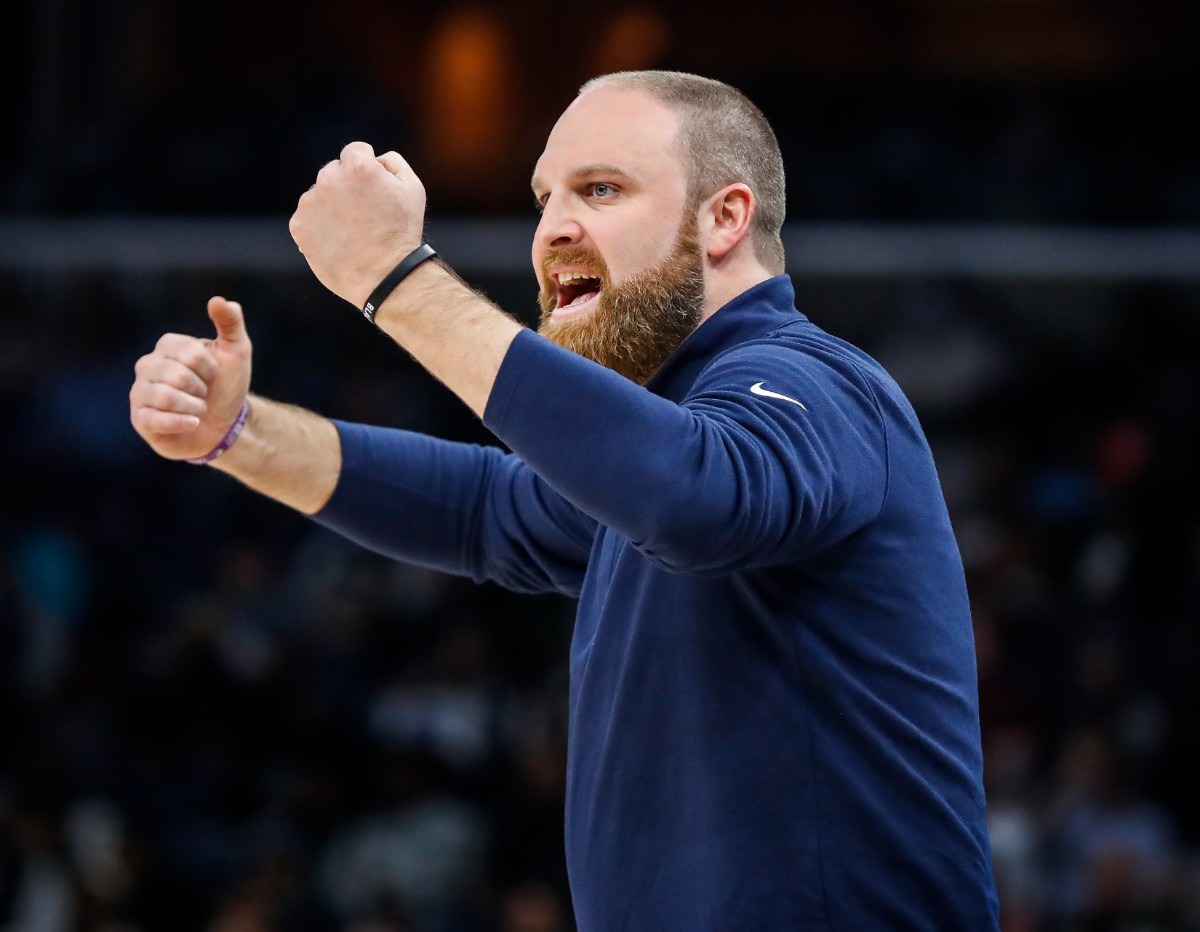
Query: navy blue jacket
[774, 718]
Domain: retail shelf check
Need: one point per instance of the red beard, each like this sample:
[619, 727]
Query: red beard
[637, 323]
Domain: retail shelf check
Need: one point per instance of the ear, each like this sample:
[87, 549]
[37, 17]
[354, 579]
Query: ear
[725, 219]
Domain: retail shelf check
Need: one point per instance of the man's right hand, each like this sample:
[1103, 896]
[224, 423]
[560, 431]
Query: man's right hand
[187, 392]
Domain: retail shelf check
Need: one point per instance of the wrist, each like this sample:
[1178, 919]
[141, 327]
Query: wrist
[231, 436]
[390, 281]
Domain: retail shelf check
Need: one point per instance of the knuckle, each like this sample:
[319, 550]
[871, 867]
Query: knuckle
[160, 395]
[192, 355]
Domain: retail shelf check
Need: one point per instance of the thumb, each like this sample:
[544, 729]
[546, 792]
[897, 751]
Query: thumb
[227, 318]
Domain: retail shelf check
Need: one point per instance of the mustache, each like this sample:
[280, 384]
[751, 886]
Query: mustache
[577, 256]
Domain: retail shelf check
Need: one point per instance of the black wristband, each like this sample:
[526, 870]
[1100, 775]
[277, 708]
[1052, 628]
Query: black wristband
[394, 278]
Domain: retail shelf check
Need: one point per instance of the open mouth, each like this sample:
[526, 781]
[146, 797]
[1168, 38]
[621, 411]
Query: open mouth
[576, 292]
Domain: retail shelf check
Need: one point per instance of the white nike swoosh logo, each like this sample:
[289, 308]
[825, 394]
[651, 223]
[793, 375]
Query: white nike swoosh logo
[757, 389]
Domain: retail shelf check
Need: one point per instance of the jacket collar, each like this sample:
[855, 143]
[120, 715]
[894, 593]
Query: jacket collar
[751, 314]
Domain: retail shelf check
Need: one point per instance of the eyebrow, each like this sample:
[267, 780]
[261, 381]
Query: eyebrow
[586, 171]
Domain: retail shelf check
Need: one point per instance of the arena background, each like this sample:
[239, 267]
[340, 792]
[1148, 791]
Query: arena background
[215, 717]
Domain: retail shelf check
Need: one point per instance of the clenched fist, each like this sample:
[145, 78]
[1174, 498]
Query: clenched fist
[364, 214]
[187, 392]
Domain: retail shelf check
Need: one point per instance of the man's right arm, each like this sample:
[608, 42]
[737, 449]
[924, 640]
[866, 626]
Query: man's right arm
[188, 392]
[453, 506]
[287, 453]
[461, 508]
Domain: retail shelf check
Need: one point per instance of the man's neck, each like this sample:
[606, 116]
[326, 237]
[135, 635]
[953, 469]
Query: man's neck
[721, 289]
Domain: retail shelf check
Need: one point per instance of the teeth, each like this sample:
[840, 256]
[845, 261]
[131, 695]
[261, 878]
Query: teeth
[566, 277]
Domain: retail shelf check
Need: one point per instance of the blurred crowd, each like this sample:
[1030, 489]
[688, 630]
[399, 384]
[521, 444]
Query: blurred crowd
[1068, 448]
[217, 716]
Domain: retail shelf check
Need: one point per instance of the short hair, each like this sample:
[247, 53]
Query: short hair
[723, 138]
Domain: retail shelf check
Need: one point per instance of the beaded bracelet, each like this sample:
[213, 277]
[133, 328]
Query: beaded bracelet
[227, 441]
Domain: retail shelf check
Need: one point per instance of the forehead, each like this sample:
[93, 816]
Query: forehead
[621, 127]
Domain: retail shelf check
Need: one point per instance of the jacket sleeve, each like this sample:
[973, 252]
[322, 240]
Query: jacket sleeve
[461, 508]
[728, 478]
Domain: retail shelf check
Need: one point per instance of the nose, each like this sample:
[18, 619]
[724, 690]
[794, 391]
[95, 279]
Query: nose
[558, 226]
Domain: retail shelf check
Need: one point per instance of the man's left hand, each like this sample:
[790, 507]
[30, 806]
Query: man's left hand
[364, 214]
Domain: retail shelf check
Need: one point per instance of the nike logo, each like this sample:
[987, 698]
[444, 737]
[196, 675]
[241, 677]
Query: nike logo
[757, 389]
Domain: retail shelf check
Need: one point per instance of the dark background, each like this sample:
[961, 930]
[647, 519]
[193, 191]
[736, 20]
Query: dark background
[215, 716]
[1016, 110]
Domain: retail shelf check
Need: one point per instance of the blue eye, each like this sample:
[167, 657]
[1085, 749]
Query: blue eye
[600, 189]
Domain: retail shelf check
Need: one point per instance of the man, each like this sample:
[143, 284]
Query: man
[773, 705]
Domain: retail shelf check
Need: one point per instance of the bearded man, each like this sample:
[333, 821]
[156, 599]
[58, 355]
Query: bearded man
[773, 703]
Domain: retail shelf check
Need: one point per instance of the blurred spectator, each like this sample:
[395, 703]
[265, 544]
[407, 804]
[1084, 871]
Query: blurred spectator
[533, 907]
[418, 855]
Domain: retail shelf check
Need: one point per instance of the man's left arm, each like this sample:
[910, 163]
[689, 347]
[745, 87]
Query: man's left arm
[728, 478]
[699, 487]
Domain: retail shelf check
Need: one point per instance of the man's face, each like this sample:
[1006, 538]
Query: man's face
[635, 324]
[620, 269]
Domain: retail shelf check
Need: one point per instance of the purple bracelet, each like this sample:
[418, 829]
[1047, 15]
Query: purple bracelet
[226, 441]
